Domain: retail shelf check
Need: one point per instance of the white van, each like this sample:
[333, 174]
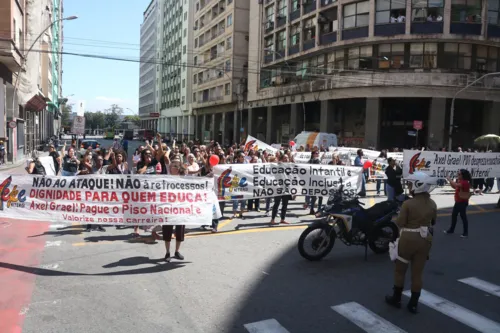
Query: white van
[317, 139]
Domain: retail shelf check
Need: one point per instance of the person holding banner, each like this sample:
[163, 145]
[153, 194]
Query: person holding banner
[240, 159]
[393, 172]
[462, 195]
[358, 162]
[383, 154]
[283, 199]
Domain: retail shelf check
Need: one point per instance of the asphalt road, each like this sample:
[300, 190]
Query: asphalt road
[62, 279]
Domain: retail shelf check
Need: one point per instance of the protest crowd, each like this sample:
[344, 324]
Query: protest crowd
[194, 159]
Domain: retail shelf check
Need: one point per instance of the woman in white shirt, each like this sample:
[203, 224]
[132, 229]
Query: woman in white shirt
[192, 167]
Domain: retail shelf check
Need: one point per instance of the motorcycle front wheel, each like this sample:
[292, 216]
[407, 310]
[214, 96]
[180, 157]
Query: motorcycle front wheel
[319, 238]
[381, 236]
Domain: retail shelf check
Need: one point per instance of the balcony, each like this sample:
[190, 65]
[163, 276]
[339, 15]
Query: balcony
[294, 15]
[389, 29]
[269, 26]
[427, 27]
[269, 58]
[493, 31]
[293, 50]
[280, 20]
[309, 44]
[10, 55]
[309, 6]
[355, 33]
[327, 38]
[461, 28]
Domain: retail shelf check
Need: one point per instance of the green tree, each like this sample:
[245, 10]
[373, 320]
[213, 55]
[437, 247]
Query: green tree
[89, 120]
[111, 119]
[99, 119]
[133, 119]
[66, 113]
[114, 108]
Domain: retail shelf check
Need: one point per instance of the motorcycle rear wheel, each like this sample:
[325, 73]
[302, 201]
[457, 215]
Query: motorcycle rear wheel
[380, 231]
[324, 242]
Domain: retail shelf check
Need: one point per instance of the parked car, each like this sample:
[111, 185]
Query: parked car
[85, 144]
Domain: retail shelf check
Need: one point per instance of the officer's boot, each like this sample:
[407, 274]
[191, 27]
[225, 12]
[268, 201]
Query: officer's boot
[395, 299]
[413, 303]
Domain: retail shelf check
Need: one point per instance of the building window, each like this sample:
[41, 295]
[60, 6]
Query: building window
[335, 61]
[493, 9]
[329, 25]
[281, 42]
[183, 83]
[390, 11]
[423, 55]
[294, 35]
[183, 100]
[228, 65]
[356, 14]
[457, 56]
[227, 89]
[295, 5]
[229, 2]
[391, 56]
[360, 57]
[184, 49]
[194, 97]
[486, 58]
[185, 32]
[230, 20]
[185, 16]
[195, 77]
[195, 60]
[466, 11]
[229, 43]
[269, 44]
[282, 8]
[14, 30]
[427, 10]
[309, 30]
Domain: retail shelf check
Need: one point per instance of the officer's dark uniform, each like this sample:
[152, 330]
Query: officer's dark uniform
[421, 211]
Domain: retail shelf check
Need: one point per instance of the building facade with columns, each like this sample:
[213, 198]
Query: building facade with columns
[175, 37]
[220, 68]
[366, 70]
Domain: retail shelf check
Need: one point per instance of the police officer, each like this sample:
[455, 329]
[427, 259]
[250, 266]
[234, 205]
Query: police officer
[415, 222]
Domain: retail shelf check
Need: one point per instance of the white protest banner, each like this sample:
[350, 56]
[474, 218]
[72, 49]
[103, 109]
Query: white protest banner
[250, 181]
[377, 170]
[444, 164]
[109, 199]
[367, 153]
[397, 156]
[48, 165]
[255, 144]
[345, 157]
[276, 146]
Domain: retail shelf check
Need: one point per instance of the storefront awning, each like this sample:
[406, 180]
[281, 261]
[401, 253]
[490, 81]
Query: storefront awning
[37, 103]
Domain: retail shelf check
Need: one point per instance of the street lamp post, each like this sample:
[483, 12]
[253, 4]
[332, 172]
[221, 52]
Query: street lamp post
[290, 69]
[452, 111]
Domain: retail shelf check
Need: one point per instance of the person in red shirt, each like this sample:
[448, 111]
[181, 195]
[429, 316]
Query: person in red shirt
[462, 185]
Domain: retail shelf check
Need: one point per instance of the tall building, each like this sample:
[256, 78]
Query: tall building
[148, 110]
[220, 67]
[30, 82]
[366, 70]
[175, 35]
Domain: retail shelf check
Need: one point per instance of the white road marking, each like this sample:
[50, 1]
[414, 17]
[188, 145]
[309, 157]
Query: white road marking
[53, 266]
[365, 319]
[266, 326]
[57, 226]
[455, 311]
[53, 243]
[485, 286]
[40, 308]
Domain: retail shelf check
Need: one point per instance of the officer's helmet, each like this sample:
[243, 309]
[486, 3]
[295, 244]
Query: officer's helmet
[420, 182]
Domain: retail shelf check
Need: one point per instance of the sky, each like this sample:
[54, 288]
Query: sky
[109, 28]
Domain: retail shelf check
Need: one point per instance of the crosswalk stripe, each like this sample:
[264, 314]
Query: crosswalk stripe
[455, 311]
[365, 319]
[266, 326]
[485, 286]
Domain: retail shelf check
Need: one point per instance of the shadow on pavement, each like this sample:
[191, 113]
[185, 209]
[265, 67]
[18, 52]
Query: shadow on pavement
[59, 233]
[49, 272]
[110, 238]
[134, 261]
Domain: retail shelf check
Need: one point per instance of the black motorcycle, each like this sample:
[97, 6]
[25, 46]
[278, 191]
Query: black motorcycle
[345, 218]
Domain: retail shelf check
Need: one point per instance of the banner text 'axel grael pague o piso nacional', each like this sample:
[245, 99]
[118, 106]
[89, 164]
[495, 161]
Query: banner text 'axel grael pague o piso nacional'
[109, 199]
[444, 164]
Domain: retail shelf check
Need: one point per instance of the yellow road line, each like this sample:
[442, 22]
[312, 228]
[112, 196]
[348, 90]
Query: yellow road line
[224, 223]
[371, 202]
[476, 205]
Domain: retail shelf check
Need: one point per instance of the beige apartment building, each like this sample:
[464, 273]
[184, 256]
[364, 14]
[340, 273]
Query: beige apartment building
[366, 70]
[220, 67]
